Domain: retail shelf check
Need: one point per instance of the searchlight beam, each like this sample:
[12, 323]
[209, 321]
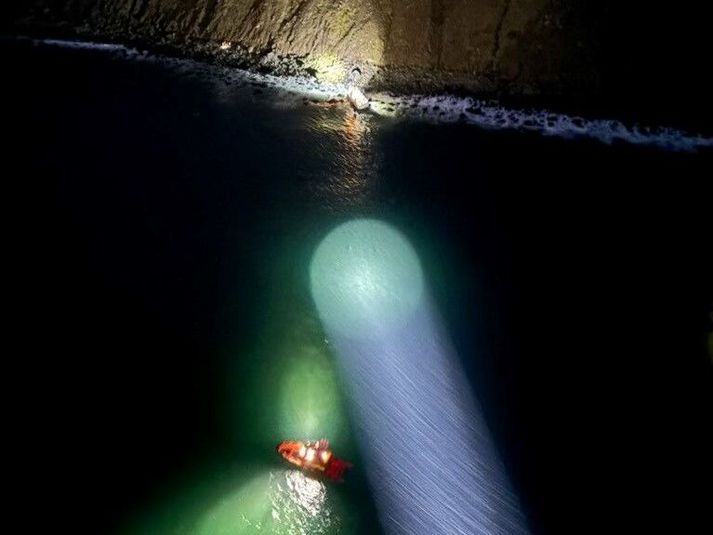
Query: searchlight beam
[429, 457]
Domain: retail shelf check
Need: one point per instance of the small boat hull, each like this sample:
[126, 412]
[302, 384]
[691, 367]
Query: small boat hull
[315, 457]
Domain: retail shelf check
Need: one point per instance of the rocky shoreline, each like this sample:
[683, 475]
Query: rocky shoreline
[546, 54]
[494, 47]
[304, 89]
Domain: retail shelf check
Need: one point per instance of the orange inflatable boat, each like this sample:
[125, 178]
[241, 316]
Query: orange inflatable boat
[315, 456]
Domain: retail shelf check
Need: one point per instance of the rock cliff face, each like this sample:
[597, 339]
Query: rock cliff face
[502, 47]
[519, 45]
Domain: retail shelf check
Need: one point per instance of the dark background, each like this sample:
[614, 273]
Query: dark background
[650, 59]
[575, 278]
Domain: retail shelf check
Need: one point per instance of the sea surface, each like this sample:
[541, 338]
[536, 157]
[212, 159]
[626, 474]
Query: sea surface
[163, 216]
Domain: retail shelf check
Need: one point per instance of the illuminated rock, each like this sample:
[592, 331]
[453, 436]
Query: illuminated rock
[464, 42]
[357, 99]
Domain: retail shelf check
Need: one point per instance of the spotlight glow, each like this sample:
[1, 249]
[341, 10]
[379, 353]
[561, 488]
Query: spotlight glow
[309, 396]
[366, 279]
[408, 390]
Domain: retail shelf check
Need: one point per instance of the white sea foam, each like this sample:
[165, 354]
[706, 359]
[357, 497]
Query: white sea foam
[435, 109]
[82, 45]
[450, 109]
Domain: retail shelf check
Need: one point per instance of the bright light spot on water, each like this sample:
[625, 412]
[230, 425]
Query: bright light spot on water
[309, 494]
[366, 278]
[278, 502]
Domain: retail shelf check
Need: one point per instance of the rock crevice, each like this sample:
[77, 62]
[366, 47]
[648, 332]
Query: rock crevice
[499, 30]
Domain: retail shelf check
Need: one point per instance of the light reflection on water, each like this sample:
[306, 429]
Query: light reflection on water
[279, 501]
[299, 505]
[346, 139]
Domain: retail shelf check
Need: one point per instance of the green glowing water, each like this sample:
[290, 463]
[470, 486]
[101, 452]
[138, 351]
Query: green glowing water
[252, 499]
[283, 386]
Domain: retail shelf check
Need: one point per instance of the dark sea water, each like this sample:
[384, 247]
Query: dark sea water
[161, 220]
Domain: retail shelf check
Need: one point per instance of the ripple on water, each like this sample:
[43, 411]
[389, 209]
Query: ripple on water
[283, 502]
